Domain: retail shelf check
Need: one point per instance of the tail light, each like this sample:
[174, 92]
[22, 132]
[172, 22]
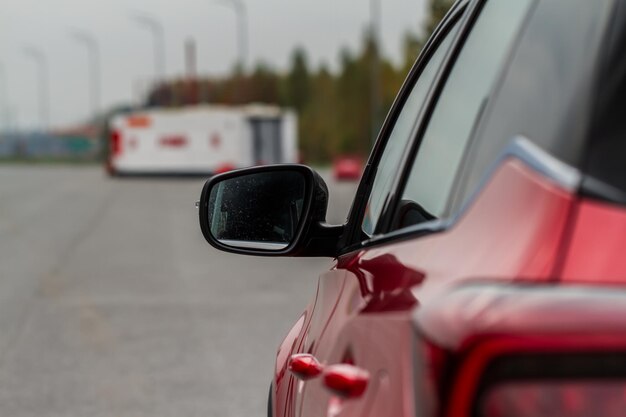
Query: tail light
[606, 398]
[116, 143]
[549, 375]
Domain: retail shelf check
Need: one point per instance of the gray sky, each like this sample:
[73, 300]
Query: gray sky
[276, 27]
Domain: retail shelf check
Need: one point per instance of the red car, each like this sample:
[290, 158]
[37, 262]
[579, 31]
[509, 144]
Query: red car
[482, 269]
[347, 168]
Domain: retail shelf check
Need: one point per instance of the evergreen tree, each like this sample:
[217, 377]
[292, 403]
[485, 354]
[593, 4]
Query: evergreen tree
[298, 81]
[319, 123]
[262, 86]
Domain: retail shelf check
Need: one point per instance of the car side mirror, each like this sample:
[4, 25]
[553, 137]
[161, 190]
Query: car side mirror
[276, 210]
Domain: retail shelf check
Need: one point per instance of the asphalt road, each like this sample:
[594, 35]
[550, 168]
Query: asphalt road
[112, 303]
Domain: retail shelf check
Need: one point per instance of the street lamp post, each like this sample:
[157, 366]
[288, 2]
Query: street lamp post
[91, 44]
[242, 18]
[4, 108]
[6, 111]
[156, 28]
[40, 60]
[375, 12]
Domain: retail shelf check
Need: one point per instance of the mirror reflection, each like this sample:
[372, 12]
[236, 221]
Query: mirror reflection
[260, 210]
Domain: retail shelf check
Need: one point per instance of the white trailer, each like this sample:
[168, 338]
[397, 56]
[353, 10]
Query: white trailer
[204, 139]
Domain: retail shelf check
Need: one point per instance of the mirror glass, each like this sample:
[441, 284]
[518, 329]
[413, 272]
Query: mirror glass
[257, 211]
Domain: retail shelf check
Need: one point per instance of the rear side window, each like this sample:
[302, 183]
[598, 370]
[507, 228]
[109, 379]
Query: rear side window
[607, 156]
[466, 91]
[545, 92]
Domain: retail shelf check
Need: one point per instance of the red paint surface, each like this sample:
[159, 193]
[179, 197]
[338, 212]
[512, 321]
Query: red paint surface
[364, 306]
[457, 317]
[175, 141]
[597, 249]
[116, 143]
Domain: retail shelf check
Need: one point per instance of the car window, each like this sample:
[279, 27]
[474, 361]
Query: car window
[546, 83]
[606, 159]
[400, 134]
[465, 93]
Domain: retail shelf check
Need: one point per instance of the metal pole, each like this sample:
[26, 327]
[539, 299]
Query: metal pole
[156, 28]
[40, 60]
[242, 29]
[89, 41]
[4, 108]
[375, 11]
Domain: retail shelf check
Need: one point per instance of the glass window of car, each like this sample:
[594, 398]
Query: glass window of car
[606, 158]
[400, 134]
[545, 92]
[464, 95]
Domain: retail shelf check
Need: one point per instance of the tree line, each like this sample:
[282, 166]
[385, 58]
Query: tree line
[335, 108]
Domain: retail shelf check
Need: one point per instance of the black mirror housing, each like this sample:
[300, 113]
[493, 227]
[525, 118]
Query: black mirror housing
[274, 210]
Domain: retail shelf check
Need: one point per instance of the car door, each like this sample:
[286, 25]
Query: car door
[371, 325]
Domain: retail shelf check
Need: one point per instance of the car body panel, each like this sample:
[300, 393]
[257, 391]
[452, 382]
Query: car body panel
[459, 318]
[303, 338]
[512, 231]
[596, 250]
[282, 384]
[481, 323]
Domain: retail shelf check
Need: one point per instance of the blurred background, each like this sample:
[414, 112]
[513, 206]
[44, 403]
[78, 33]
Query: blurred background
[111, 302]
[67, 66]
